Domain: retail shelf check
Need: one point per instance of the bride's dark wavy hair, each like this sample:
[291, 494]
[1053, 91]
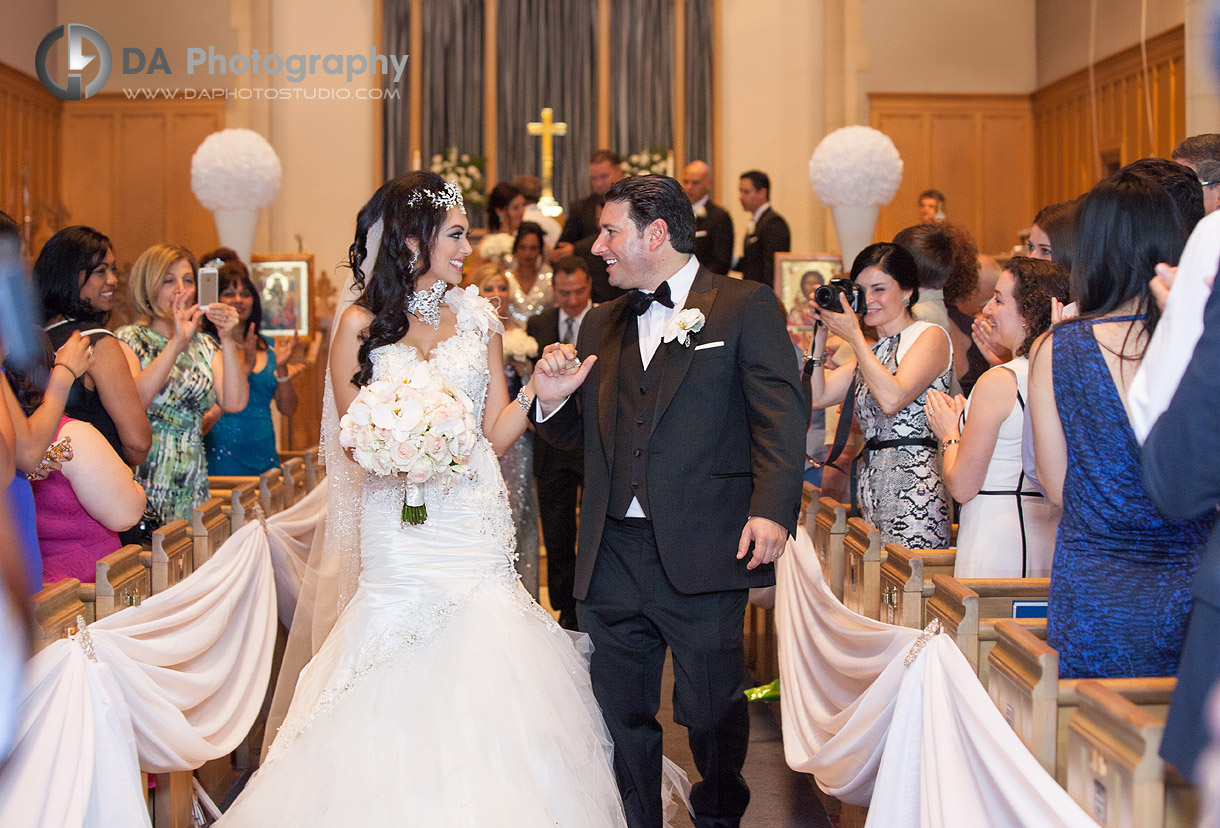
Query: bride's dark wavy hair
[392, 280]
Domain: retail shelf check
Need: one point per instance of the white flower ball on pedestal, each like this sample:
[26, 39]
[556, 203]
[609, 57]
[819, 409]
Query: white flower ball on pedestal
[855, 171]
[235, 173]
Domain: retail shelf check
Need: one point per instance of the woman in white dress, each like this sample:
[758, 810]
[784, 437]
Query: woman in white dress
[443, 696]
[1006, 527]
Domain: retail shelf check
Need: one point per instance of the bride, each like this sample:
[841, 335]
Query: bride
[443, 695]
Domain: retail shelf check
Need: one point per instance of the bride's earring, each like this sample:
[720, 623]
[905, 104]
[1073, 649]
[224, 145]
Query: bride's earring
[414, 259]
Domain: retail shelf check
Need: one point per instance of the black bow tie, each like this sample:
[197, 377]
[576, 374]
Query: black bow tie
[641, 300]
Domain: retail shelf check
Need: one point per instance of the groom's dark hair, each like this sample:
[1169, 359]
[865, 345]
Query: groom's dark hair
[652, 197]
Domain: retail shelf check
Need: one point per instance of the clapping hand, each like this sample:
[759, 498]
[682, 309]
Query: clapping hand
[992, 351]
[943, 413]
[1061, 312]
[284, 349]
[559, 373]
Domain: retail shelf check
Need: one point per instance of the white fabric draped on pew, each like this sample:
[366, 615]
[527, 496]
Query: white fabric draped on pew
[290, 534]
[928, 736]
[161, 687]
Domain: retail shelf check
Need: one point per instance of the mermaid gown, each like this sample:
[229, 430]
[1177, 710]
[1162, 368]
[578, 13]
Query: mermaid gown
[444, 696]
[1120, 582]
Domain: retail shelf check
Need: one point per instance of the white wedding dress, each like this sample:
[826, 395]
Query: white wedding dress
[444, 696]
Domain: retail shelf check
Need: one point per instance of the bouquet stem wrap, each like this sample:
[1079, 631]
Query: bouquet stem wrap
[414, 510]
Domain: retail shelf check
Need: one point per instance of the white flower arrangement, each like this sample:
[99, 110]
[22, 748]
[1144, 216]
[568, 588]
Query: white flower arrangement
[855, 166]
[519, 346]
[466, 170]
[235, 169]
[646, 162]
[417, 425]
[683, 327]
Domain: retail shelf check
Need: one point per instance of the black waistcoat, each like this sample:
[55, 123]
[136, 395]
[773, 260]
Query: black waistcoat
[636, 408]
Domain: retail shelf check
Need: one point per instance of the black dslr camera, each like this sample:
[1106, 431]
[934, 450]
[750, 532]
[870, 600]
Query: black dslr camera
[827, 296]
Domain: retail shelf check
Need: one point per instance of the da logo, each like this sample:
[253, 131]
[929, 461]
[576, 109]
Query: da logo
[77, 61]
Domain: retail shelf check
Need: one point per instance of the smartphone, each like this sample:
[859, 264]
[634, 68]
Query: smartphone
[208, 290]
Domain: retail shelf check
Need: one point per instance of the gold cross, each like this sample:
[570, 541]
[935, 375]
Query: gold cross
[547, 128]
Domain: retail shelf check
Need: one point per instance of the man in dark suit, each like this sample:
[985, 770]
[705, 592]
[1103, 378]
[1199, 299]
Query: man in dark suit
[580, 227]
[560, 472]
[1181, 464]
[713, 225]
[766, 234]
[689, 407]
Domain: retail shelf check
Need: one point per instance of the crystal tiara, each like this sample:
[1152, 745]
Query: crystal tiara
[449, 196]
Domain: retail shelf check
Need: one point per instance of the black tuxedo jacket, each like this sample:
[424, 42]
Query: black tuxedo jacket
[728, 438]
[714, 239]
[771, 236]
[544, 328]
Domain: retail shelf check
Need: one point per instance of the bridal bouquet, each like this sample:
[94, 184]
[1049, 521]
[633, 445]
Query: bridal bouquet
[519, 346]
[417, 425]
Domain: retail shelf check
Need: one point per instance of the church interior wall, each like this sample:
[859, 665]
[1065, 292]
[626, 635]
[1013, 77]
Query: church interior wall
[1063, 31]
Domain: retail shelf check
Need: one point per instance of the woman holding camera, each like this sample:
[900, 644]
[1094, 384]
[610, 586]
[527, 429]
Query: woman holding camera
[900, 489]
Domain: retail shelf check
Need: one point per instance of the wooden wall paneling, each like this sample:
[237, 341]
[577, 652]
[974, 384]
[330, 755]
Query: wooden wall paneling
[140, 187]
[89, 168]
[1063, 113]
[30, 124]
[977, 149]
[127, 171]
[187, 221]
[911, 133]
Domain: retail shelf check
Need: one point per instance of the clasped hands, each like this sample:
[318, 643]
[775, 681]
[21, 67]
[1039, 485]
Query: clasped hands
[560, 372]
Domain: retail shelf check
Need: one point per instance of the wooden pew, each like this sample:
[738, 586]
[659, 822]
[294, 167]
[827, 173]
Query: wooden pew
[56, 607]
[1025, 685]
[969, 608]
[314, 471]
[172, 556]
[829, 532]
[269, 484]
[210, 528]
[1114, 770]
[293, 471]
[121, 581]
[906, 580]
[240, 494]
[862, 580]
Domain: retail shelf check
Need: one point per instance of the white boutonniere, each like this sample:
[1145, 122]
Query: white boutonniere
[687, 322]
[701, 211]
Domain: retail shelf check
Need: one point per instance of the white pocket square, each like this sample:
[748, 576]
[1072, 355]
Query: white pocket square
[719, 344]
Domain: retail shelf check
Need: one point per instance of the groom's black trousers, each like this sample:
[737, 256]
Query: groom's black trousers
[632, 613]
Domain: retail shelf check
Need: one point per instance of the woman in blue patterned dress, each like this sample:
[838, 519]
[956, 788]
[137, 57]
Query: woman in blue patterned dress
[181, 373]
[901, 491]
[1120, 582]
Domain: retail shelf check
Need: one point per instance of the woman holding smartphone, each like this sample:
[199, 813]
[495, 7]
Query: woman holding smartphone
[181, 374]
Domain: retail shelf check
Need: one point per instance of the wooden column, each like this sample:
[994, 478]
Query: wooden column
[679, 87]
[603, 73]
[417, 79]
[491, 18]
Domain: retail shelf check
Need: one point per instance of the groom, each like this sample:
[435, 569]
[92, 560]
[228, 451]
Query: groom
[694, 449]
